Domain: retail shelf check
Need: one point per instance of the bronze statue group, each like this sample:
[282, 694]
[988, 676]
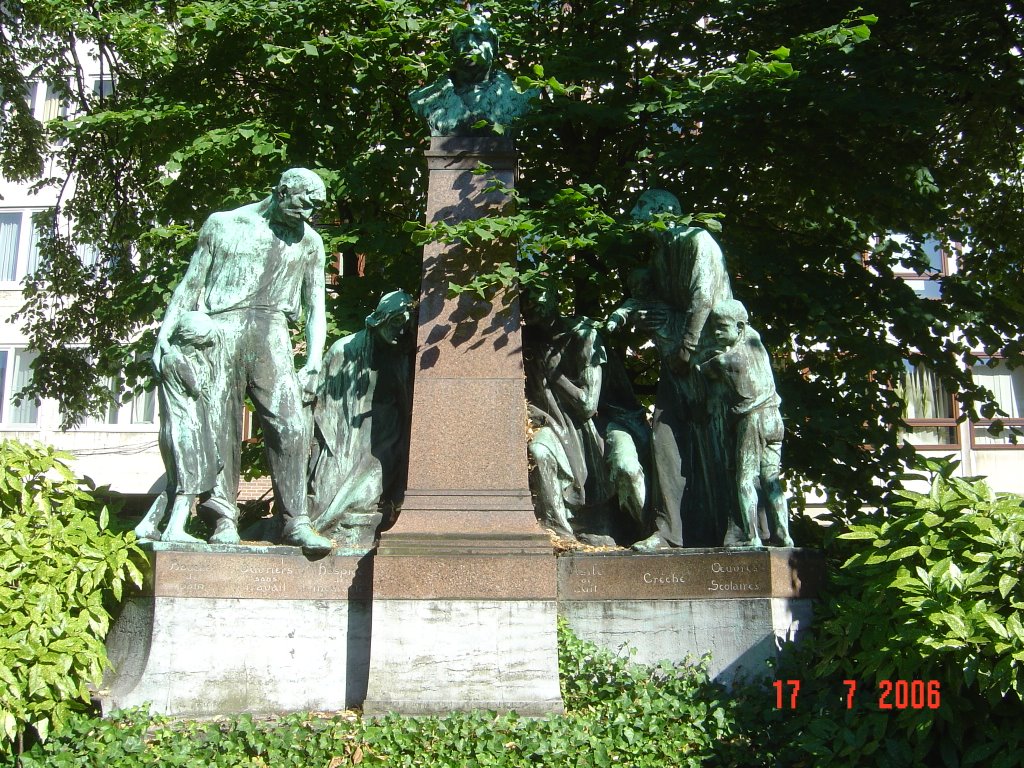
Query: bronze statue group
[701, 470]
[705, 472]
[225, 337]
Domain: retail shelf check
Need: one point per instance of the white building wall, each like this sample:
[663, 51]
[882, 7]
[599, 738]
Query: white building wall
[123, 454]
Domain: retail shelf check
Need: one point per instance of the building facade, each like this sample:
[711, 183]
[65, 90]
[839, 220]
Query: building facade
[117, 449]
[933, 416]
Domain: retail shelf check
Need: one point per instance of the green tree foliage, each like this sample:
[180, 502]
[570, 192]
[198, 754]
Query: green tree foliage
[59, 569]
[809, 129]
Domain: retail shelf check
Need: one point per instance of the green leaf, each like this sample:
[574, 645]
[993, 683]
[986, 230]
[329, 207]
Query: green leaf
[995, 624]
[10, 725]
[1014, 625]
[42, 728]
[1006, 584]
[904, 552]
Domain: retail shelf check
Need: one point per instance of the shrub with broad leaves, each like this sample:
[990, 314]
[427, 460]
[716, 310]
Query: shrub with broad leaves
[928, 604]
[60, 572]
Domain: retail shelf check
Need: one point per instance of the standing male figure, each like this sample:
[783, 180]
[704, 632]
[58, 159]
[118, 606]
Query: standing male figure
[688, 277]
[255, 269]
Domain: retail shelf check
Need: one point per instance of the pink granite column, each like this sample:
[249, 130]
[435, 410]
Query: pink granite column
[464, 583]
[467, 457]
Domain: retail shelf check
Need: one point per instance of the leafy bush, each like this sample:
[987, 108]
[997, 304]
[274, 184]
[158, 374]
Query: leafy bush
[618, 713]
[650, 715]
[134, 738]
[58, 566]
[931, 591]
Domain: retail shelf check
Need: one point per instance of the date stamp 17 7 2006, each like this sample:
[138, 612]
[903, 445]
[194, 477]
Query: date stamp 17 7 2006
[888, 695]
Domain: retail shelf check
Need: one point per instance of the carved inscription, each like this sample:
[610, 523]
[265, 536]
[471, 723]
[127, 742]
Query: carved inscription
[736, 577]
[192, 575]
[655, 578]
[676, 576]
[267, 576]
[585, 578]
[333, 577]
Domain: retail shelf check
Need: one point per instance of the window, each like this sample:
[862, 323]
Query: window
[15, 374]
[19, 245]
[124, 410]
[10, 238]
[1008, 387]
[929, 410]
[31, 98]
[32, 255]
[143, 408]
[109, 416]
[925, 284]
[102, 87]
[88, 255]
[55, 104]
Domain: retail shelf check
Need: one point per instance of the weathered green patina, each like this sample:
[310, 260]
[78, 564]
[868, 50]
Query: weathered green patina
[187, 443]
[563, 359]
[474, 96]
[361, 424]
[255, 269]
[685, 277]
[584, 463]
[717, 432]
[747, 407]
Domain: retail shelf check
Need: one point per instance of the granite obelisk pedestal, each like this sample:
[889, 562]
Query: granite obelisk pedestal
[465, 583]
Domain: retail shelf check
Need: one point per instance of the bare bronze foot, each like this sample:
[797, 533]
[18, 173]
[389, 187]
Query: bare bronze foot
[652, 543]
[180, 537]
[226, 533]
[146, 531]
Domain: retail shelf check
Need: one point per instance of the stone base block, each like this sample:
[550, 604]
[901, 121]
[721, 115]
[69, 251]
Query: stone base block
[197, 657]
[455, 631]
[467, 626]
[739, 606]
[262, 631]
[741, 635]
[437, 656]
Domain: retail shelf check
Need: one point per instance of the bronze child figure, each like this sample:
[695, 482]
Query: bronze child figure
[187, 442]
[739, 361]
